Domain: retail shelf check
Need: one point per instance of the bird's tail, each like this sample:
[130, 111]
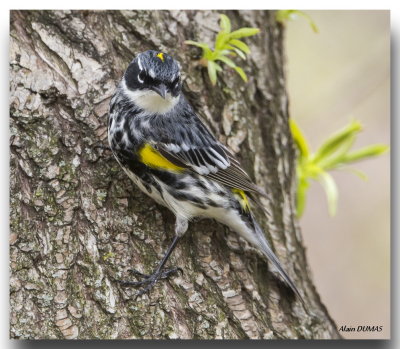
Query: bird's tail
[267, 251]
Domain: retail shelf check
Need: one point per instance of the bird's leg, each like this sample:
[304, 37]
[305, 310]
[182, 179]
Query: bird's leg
[159, 273]
[148, 281]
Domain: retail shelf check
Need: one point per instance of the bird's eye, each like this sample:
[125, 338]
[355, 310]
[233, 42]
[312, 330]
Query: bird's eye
[141, 76]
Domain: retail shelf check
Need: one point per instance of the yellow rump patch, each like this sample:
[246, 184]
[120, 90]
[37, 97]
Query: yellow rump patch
[161, 56]
[243, 200]
[152, 158]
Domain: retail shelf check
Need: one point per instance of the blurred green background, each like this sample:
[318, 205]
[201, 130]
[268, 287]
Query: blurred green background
[340, 73]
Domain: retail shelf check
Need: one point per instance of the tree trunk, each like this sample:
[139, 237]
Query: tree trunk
[78, 222]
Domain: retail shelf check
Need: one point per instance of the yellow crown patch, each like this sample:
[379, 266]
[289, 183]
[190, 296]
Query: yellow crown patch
[161, 56]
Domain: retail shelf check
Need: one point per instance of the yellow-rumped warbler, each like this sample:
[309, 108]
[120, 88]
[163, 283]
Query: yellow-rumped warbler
[171, 156]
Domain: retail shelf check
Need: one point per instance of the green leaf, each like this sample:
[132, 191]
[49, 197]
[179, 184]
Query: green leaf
[212, 71]
[198, 44]
[335, 160]
[333, 154]
[240, 45]
[302, 188]
[334, 142]
[227, 61]
[283, 16]
[226, 45]
[217, 67]
[240, 53]
[221, 40]
[309, 19]
[225, 23]
[364, 153]
[299, 139]
[223, 53]
[241, 73]
[243, 32]
[358, 173]
[229, 47]
[207, 52]
[329, 185]
[209, 55]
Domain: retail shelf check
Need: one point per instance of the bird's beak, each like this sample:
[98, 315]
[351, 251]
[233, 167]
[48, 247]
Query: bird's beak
[161, 90]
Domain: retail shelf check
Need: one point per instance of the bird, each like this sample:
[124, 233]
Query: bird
[168, 152]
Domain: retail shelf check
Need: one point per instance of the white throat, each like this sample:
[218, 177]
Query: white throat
[150, 101]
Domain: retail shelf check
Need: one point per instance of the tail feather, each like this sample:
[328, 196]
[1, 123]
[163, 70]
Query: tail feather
[266, 249]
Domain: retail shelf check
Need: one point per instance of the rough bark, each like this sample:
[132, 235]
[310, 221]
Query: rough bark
[77, 221]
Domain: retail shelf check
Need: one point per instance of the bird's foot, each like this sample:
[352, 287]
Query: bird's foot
[164, 274]
[149, 280]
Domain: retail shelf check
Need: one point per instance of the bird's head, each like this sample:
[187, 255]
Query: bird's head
[153, 81]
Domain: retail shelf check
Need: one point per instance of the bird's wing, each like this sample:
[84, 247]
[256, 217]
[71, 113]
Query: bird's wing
[196, 148]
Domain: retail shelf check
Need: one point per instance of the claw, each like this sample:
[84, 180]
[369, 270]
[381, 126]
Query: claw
[160, 273]
[138, 273]
[166, 273]
[148, 281]
[145, 289]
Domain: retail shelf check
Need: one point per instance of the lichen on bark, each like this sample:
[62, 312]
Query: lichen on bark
[77, 222]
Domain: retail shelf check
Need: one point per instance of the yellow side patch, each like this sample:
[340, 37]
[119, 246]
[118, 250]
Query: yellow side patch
[161, 56]
[152, 158]
[242, 197]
